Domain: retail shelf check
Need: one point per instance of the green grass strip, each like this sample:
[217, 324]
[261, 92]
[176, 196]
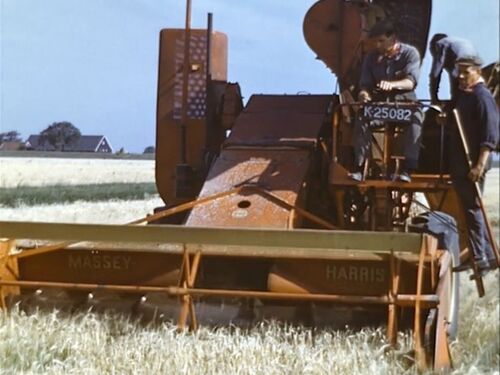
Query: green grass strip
[34, 195]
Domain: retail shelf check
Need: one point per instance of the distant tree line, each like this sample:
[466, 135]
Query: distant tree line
[149, 150]
[10, 136]
[60, 135]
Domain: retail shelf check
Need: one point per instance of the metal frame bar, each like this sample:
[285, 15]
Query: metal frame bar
[403, 300]
[392, 320]
[363, 241]
[190, 264]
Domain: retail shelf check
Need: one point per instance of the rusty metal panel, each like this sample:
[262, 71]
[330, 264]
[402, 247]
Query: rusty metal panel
[110, 267]
[8, 267]
[281, 120]
[333, 30]
[281, 172]
[169, 101]
[351, 277]
[170, 74]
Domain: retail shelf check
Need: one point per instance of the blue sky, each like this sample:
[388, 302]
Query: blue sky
[94, 62]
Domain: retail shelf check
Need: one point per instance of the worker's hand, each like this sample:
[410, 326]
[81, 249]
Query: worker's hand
[476, 172]
[385, 86]
[364, 97]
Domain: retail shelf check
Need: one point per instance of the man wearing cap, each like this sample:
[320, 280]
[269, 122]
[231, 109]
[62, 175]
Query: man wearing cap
[389, 73]
[480, 121]
[445, 51]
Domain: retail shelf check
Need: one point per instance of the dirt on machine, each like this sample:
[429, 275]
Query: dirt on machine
[261, 220]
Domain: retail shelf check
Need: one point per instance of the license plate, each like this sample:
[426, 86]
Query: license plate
[393, 112]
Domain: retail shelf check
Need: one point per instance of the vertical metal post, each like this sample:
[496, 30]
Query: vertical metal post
[208, 88]
[441, 152]
[209, 46]
[184, 172]
[185, 82]
[420, 356]
[392, 318]
[335, 126]
[341, 46]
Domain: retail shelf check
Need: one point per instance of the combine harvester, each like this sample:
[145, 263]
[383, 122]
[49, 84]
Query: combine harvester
[260, 219]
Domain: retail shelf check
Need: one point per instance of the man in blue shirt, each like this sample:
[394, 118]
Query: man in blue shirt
[445, 51]
[389, 73]
[480, 121]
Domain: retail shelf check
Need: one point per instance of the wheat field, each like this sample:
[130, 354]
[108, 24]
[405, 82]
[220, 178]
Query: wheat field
[16, 172]
[90, 343]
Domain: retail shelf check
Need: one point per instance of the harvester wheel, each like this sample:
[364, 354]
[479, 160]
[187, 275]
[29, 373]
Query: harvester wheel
[441, 325]
[444, 229]
[454, 292]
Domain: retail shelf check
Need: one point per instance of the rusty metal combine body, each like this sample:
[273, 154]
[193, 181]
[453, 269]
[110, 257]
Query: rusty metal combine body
[267, 213]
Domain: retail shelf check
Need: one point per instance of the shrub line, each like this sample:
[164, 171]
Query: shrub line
[36, 195]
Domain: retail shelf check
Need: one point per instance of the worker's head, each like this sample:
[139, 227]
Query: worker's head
[383, 34]
[432, 44]
[469, 71]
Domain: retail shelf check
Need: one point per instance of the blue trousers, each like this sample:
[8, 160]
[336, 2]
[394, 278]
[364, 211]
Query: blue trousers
[476, 226]
[411, 142]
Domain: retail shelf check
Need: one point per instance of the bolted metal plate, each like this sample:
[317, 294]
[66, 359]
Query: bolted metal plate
[280, 172]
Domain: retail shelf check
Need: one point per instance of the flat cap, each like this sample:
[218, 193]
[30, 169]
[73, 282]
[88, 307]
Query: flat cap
[472, 60]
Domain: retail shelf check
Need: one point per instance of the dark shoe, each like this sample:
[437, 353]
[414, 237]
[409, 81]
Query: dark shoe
[493, 263]
[486, 265]
[356, 176]
[404, 177]
[467, 265]
[483, 266]
[462, 267]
